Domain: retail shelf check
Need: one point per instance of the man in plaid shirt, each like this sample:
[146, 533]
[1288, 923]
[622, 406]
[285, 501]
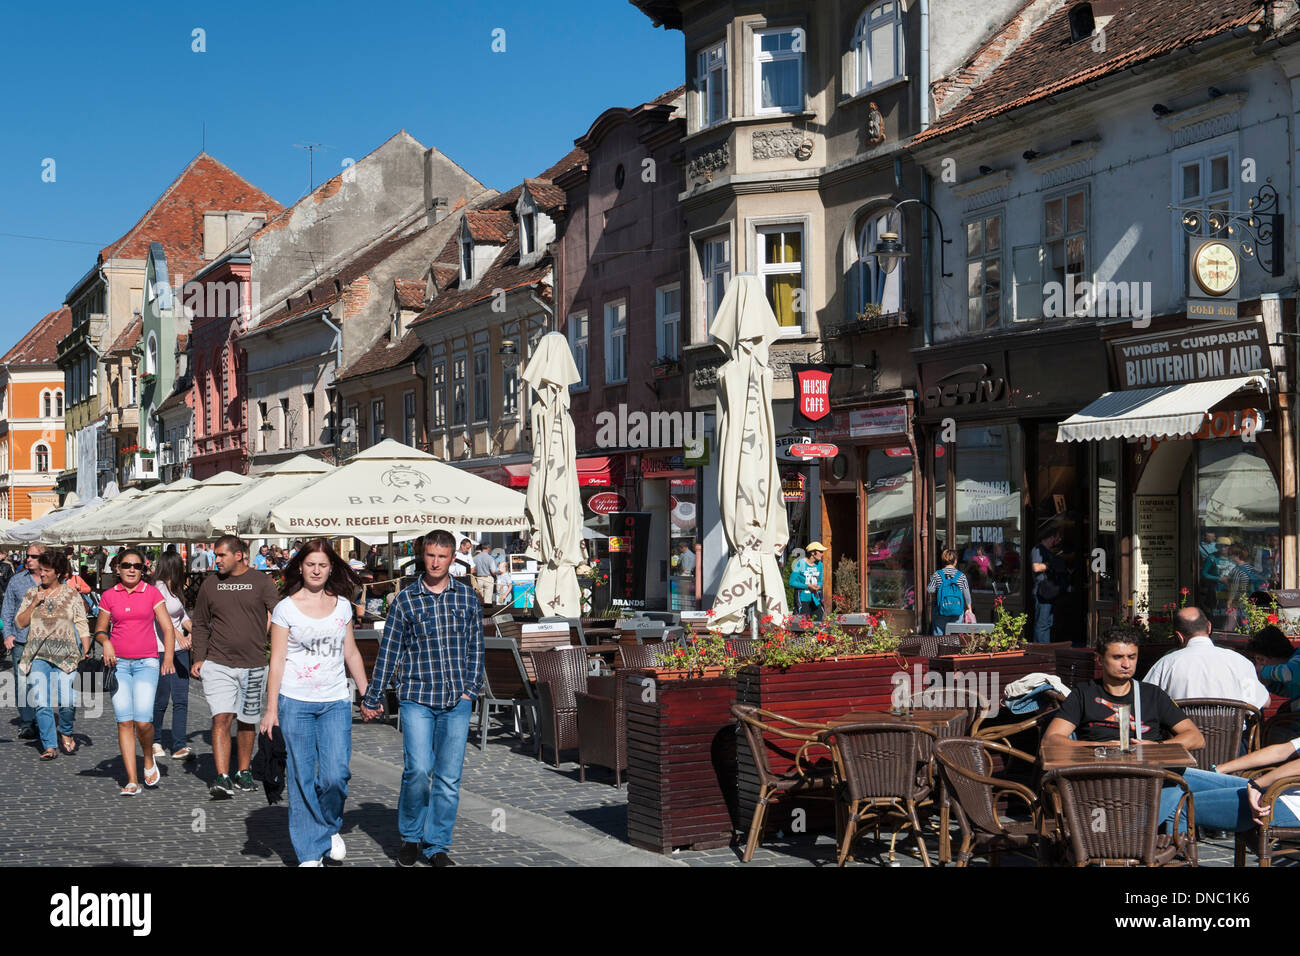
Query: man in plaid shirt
[432, 649]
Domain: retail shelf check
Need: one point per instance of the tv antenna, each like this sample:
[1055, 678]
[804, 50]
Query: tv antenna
[311, 151]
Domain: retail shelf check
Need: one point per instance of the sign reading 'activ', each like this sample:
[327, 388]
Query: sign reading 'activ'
[1169, 358]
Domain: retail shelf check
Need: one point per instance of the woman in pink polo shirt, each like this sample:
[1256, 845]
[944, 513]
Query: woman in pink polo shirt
[133, 607]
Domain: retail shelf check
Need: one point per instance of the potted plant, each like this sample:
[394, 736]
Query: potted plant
[997, 658]
[665, 367]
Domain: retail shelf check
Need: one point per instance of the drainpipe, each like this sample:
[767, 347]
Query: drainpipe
[925, 65]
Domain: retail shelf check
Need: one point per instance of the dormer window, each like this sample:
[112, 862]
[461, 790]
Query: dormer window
[528, 233]
[466, 256]
[395, 329]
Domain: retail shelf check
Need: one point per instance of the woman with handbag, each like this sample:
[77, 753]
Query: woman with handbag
[58, 640]
[168, 578]
[134, 607]
[951, 593]
[312, 653]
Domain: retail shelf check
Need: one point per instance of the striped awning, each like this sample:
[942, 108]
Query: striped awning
[1161, 412]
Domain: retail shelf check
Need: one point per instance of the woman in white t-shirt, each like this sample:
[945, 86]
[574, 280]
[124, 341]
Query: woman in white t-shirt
[174, 688]
[312, 652]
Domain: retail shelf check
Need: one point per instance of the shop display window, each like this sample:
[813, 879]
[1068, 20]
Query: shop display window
[890, 557]
[988, 465]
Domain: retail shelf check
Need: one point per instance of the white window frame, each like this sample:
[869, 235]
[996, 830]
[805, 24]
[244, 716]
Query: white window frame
[481, 413]
[765, 269]
[284, 422]
[47, 403]
[872, 288]
[309, 435]
[466, 257]
[711, 72]
[580, 346]
[615, 328]
[963, 277]
[409, 418]
[1063, 195]
[460, 360]
[866, 76]
[759, 57]
[59, 406]
[668, 325]
[711, 267]
[36, 456]
[510, 389]
[1202, 154]
[151, 355]
[378, 422]
[438, 384]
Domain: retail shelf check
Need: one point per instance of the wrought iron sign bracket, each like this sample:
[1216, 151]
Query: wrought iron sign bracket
[1260, 228]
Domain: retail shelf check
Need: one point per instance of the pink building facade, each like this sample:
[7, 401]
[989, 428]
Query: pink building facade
[218, 365]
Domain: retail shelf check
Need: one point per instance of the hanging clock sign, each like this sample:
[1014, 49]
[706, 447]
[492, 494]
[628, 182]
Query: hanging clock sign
[1213, 278]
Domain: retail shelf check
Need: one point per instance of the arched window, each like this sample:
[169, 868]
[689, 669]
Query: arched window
[878, 291]
[58, 403]
[878, 45]
[41, 457]
[151, 356]
[47, 404]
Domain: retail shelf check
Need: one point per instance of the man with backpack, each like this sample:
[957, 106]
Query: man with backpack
[951, 593]
[1049, 583]
[806, 582]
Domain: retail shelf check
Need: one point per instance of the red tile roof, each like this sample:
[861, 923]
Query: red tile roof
[1048, 63]
[175, 400]
[182, 342]
[505, 273]
[546, 194]
[575, 157]
[176, 218]
[130, 336]
[410, 293]
[38, 346]
[383, 356]
[489, 225]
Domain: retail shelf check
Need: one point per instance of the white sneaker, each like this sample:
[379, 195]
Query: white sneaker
[312, 863]
[337, 850]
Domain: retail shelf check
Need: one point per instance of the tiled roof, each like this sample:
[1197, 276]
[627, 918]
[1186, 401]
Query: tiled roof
[1048, 63]
[176, 218]
[38, 346]
[175, 400]
[130, 336]
[410, 293]
[489, 225]
[505, 273]
[547, 195]
[383, 356]
[575, 157]
[182, 342]
[664, 99]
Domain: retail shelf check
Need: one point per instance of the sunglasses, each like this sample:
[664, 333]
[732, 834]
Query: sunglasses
[32, 557]
[130, 565]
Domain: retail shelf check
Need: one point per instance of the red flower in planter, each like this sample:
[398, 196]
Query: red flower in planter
[1184, 591]
[997, 602]
[765, 619]
[679, 652]
[1272, 619]
[767, 644]
[704, 650]
[694, 639]
[709, 613]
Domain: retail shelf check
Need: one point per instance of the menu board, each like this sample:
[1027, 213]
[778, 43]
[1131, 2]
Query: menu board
[1155, 552]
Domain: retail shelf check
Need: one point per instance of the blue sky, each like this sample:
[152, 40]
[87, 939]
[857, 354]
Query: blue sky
[117, 97]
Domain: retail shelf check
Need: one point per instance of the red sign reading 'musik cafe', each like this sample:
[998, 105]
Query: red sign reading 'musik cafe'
[814, 396]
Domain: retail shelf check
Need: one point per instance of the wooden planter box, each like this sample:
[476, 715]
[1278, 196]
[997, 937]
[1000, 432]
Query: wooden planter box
[1006, 666]
[681, 762]
[815, 692]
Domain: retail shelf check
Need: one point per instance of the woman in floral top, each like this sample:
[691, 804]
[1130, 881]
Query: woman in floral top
[59, 638]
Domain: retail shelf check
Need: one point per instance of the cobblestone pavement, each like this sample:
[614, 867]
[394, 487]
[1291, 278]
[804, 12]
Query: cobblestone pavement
[515, 810]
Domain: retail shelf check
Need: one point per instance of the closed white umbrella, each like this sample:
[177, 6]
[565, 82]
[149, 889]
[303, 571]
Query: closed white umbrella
[554, 506]
[749, 486]
[79, 529]
[392, 488]
[186, 518]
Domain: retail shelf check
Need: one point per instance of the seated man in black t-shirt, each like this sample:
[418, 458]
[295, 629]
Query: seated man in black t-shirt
[1089, 713]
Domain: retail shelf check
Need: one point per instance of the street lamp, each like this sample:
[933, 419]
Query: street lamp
[889, 250]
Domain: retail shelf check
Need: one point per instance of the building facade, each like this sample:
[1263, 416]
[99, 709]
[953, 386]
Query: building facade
[32, 398]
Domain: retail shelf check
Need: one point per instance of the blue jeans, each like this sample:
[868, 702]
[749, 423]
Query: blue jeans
[1043, 612]
[1221, 803]
[51, 688]
[808, 606]
[26, 711]
[137, 682]
[433, 743]
[177, 689]
[941, 622]
[318, 745]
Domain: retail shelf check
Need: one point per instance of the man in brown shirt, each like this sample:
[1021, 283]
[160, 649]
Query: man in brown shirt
[231, 618]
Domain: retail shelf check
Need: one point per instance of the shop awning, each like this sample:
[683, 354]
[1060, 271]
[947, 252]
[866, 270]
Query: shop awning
[1160, 412]
[592, 473]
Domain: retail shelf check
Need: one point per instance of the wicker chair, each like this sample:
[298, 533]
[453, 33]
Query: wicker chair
[966, 770]
[742, 646]
[561, 673]
[1266, 836]
[1221, 723]
[639, 656]
[602, 727]
[881, 772]
[1281, 727]
[1110, 815]
[928, 645]
[800, 780]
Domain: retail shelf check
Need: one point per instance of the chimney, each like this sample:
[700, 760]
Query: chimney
[435, 207]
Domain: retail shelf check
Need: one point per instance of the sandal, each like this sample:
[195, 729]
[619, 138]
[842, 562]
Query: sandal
[130, 790]
[151, 780]
[49, 754]
[69, 743]
[185, 753]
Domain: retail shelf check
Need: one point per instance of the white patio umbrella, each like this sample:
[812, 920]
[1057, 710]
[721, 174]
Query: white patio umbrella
[394, 489]
[248, 511]
[78, 529]
[749, 486]
[553, 504]
[34, 529]
[186, 518]
[127, 523]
